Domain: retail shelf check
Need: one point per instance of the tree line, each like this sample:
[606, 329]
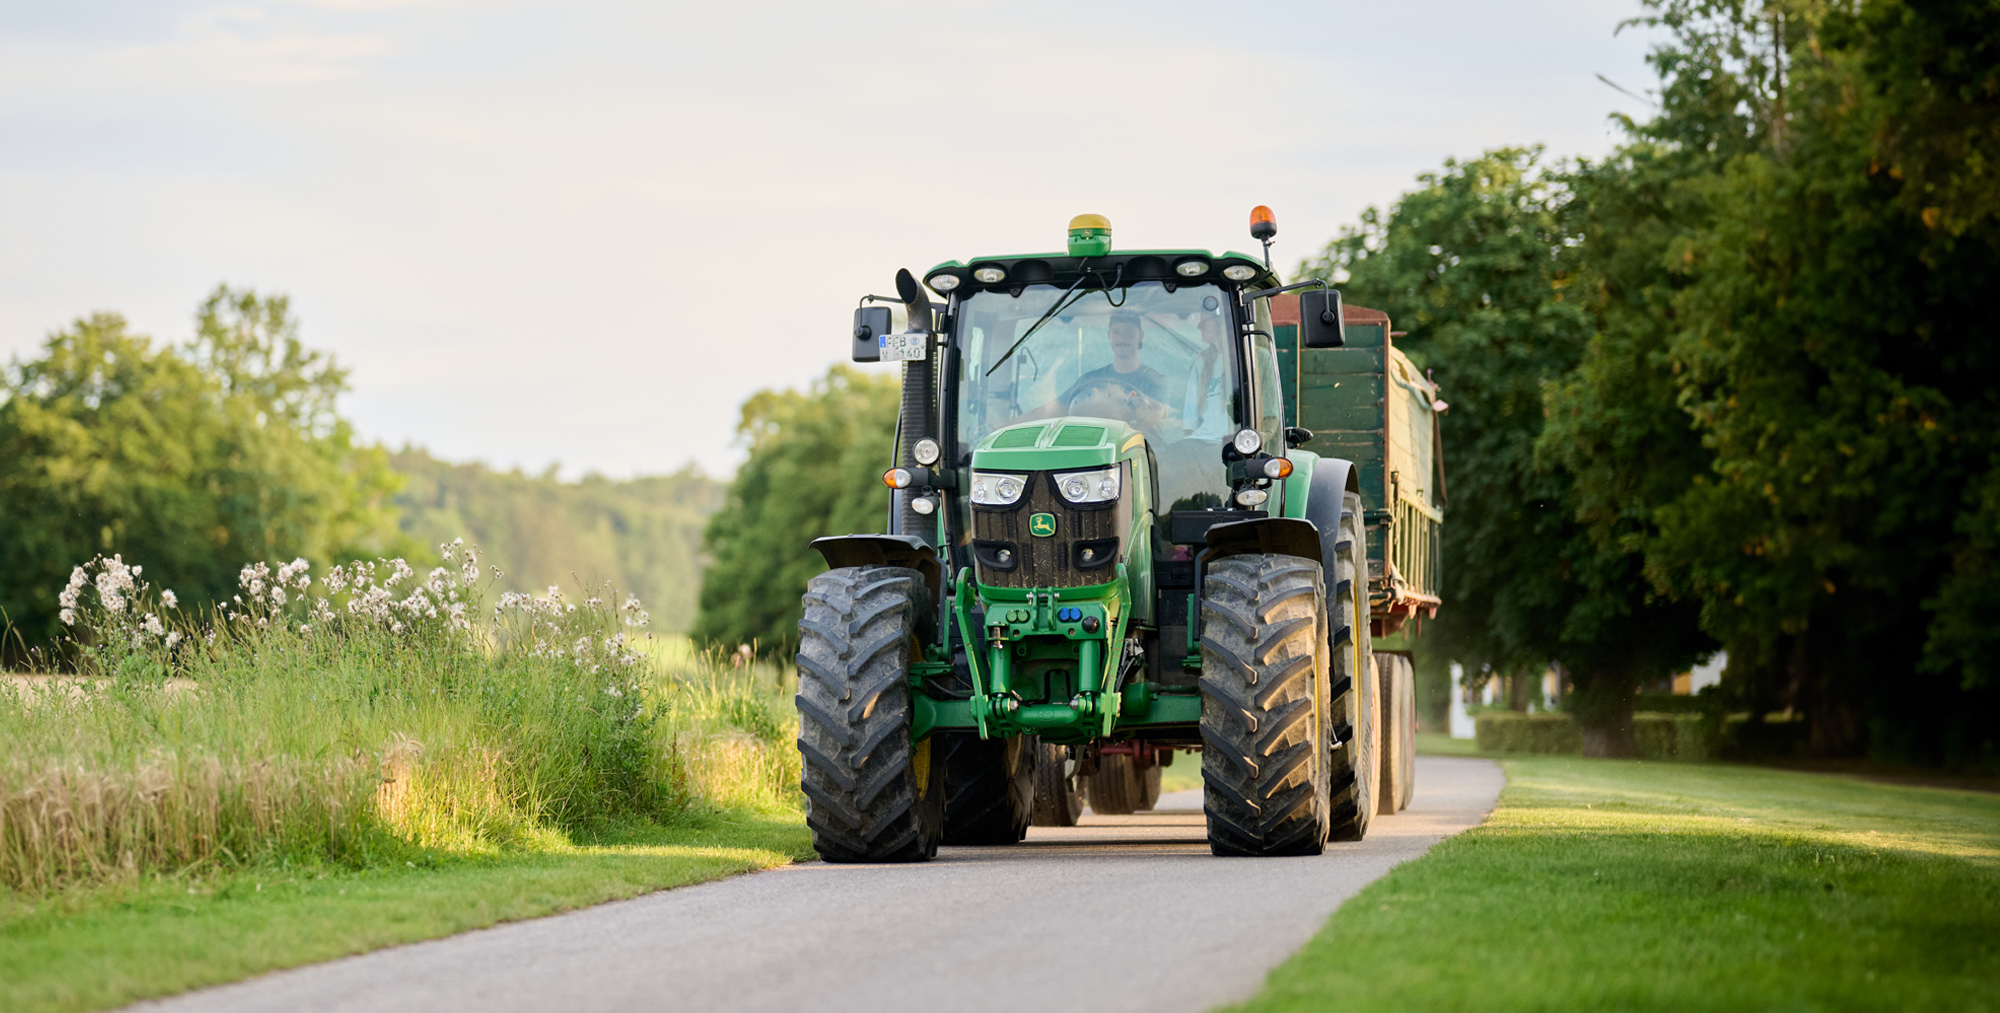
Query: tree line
[193, 459]
[1733, 385]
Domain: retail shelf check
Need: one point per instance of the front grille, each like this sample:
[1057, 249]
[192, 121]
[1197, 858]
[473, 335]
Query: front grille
[1053, 561]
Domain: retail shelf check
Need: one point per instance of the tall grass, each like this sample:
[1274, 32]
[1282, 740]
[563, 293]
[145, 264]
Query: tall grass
[365, 717]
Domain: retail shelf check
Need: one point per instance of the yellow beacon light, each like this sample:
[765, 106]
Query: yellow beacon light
[1089, 236]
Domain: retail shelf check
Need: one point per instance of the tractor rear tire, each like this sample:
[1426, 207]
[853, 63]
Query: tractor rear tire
[1058, 798]
[1264, 726]
[1397, 681]
[989, 787]
[1151, 796]
[871, 794]
[1117, 789]
[1356, 774]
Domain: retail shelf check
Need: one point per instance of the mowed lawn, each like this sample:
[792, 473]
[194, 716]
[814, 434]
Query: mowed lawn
[1601, 884]
[109, 946]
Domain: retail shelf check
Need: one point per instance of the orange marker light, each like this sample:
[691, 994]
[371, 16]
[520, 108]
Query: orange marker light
[897, 478]
[1263, 224]
[1277, 467]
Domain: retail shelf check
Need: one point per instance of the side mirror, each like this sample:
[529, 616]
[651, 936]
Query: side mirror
[1320, 323]
[870, 324]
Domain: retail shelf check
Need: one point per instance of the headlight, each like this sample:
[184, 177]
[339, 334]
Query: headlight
[924, 505]
[925, 451]
[1100, 486]
[1252, 497]
[990, 489]
[1247, 442]
[1239, 272]
[943, 281]
[990, 275]
[1191, 268]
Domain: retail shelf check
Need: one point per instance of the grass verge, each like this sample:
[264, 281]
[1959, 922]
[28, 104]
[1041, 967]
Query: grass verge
[357, 760]
[1616, 884]
[109, 947]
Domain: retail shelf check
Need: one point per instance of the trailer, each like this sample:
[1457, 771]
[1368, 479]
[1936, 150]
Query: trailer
[1366, 402]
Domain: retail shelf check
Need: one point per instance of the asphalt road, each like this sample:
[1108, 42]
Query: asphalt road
[1121, 913]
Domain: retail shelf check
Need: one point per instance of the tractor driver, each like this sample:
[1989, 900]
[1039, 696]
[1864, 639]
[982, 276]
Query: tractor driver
[1126, 388]
[1125, 370]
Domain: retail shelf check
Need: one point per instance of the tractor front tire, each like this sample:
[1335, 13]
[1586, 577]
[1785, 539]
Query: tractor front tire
[1058, 798]
[871, 794]
[1356, 715]
[1264, 726]
[989, 787]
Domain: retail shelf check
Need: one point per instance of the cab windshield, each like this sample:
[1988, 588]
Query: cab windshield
[1158, 359]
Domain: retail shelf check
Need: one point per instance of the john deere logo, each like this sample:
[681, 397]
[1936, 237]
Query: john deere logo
[1041, 525]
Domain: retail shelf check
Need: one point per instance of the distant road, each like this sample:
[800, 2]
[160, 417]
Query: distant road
[1121, 913]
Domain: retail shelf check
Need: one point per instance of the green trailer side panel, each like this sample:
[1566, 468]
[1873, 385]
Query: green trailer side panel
[1343, 360]
[1363, 336]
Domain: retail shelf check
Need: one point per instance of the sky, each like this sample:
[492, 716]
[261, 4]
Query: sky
[580, 234]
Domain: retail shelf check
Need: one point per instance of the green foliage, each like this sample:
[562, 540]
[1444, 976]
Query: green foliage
[193, 457]
[1641, 886]
[815, 466]
[1815, 308]
[1757, 335]
[641, 534]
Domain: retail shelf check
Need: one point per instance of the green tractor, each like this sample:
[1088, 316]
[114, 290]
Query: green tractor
[1110, 540]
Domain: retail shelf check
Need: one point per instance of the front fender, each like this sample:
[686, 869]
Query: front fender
[884, 550]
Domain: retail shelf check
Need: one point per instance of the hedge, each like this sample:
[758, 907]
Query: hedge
[1685, 737]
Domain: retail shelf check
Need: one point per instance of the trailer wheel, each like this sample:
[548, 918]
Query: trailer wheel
[1117, 789]
[989, 787]
[1058, 799]
[1355, 774]
[872, 795]
[1396, 683]
[1264, 683]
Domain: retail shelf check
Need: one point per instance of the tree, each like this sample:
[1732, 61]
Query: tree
[815, 468]
[189, 460]
[1835, 354]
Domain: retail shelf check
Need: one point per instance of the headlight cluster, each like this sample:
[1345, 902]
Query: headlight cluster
[1100, 486]
[994, 489]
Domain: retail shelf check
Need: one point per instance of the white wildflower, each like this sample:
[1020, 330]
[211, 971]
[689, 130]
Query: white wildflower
[173, 638]
[68, 617]
[151, 624]
[277, 595]
[167, 598]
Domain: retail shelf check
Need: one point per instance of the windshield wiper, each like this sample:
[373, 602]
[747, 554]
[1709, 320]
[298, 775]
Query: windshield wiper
[1054, 308]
